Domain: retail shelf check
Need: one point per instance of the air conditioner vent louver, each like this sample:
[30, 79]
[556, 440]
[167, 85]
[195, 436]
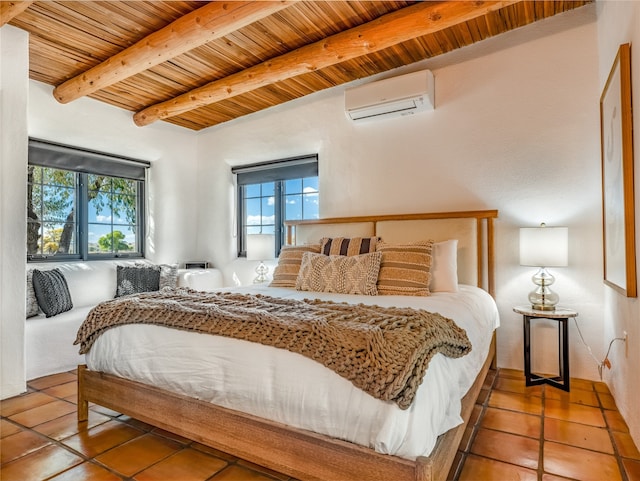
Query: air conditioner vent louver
[393, 97]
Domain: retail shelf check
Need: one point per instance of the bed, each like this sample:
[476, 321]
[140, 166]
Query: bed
[424, 446]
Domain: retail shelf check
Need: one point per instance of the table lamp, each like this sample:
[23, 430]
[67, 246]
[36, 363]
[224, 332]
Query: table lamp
[261, 247]
[544, 247]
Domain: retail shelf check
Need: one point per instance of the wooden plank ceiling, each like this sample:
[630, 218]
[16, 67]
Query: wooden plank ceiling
[199, 64]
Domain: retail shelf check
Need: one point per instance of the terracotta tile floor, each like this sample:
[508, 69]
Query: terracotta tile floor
[517, 433]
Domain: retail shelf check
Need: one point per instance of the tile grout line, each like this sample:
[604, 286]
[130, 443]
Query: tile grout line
[544, 396]
[610, 431]
[52, 441]
[85, 458]
[92, 460]
[456, 468]
[476, 426]
[543, 403]
[602, 404]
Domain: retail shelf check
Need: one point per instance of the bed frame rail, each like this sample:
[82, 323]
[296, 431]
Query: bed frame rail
[302, 454]
[296, 452]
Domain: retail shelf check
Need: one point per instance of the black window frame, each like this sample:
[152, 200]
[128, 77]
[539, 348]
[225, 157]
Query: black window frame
[277, 171]
[84, 163]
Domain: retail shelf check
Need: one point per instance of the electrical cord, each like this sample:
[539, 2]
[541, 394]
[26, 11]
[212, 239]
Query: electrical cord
[605, 361]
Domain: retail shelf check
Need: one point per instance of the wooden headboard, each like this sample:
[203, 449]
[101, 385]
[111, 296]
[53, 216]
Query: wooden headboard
[472, 229]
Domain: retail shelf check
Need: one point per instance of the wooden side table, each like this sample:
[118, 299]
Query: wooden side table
[562, 315]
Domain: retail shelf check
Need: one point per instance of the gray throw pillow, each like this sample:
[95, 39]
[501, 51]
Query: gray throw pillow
[168, 275]
[32, 300]
[136, 279]
[52, 292]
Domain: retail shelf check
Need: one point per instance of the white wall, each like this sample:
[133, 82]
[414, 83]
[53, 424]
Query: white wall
[87, 123]
[14, 81]
[172, 204]
[515, 128]
[618, 23]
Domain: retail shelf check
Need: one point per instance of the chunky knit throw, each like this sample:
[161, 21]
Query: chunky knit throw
[384, 351]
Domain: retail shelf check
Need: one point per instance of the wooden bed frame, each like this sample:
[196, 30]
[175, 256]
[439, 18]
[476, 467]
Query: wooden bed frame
[299, 453]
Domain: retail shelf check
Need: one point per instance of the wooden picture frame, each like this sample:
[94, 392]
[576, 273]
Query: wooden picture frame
[618, 217]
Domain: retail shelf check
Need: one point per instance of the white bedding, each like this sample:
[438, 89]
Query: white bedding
[292, 389]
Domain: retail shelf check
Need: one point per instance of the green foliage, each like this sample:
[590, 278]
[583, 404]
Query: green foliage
[115, 195]
[113, 242]
[51, 241]
[51, 207]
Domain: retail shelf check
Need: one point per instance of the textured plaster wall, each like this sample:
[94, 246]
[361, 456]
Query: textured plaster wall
[618, 23]
[515, 128]
[29, 110]
[14, 80]
[171, 205]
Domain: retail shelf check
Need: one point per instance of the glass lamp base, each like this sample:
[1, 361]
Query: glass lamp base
[542, 298]
[262, 271]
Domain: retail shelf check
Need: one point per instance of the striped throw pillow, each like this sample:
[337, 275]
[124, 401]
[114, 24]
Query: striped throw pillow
[347, 246]
[286, 272]
[340, 274]
[405, 269]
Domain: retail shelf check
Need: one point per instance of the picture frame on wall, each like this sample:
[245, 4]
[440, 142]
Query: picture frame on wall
[616, 132]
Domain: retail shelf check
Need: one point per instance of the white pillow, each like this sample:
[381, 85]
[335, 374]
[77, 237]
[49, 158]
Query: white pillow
[444, 270]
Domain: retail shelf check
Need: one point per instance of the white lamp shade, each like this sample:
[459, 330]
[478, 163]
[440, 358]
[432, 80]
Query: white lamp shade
[544, 246]
[261, 247]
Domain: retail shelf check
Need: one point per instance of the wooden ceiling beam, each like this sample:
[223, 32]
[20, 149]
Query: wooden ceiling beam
[9, 10]
[212, 21]
[391, 29]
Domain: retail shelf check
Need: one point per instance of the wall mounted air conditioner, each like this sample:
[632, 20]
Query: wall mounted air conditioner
[393, 97]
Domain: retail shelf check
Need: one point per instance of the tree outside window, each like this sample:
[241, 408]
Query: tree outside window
[57, 202]
[51, 211]
[112, 214]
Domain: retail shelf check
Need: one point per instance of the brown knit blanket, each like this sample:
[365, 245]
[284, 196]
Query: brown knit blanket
[384, 351]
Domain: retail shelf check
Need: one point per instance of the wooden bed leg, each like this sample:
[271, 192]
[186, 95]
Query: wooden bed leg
[494, 360]
[83, 404]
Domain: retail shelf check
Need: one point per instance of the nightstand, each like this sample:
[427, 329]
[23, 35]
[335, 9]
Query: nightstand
[562, 315]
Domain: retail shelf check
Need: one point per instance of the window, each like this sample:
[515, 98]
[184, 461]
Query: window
[273, 192]
[113, 215]
[51, 207]
[83, 204]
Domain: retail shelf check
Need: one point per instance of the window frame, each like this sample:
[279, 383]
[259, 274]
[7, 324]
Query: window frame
[278, 172]
[84, 163]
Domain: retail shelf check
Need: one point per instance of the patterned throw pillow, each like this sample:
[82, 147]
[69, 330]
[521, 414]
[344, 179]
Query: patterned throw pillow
[137, 279]
[168, 275]
[286, 272]
[52, 292]
[32, 301]
[340, 274]
[347, 246]
[405, 269]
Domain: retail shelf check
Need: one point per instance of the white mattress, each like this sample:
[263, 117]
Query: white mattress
[292, 389]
